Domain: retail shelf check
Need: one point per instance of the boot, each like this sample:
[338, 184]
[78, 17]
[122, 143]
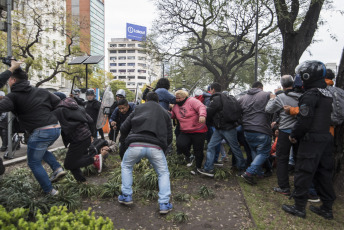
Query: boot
[327, 214]
[291, 209]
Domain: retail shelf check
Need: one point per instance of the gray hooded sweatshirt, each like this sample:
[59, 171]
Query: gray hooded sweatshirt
[275, 105]
[254, 117]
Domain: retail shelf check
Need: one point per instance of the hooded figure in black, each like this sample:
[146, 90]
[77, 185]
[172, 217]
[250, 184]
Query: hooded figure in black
[314, 160]
[77, 127]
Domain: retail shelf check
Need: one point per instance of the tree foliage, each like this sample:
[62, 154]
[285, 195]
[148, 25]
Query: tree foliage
[218, 35]
[35, 23]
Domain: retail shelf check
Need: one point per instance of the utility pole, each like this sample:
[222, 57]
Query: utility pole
[256, 53]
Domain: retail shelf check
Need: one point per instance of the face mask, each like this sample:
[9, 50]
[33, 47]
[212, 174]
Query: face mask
[180, 103]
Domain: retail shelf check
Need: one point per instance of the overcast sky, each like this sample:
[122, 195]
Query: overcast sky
[143, 12]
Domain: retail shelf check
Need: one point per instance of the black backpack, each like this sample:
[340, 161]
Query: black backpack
[231, 109]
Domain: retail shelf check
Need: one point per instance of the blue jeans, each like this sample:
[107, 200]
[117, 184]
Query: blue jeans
[231, 138]
[37, 146]
[260, 145]
[157, 158]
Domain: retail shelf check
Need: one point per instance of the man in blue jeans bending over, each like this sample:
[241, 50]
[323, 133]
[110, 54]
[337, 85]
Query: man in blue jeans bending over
[33, 107]
[148, 132]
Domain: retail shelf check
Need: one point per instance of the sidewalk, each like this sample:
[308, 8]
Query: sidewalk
[20, 155]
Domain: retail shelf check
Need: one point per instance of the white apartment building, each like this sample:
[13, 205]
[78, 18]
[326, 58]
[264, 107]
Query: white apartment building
[129, 62]
[52, 41]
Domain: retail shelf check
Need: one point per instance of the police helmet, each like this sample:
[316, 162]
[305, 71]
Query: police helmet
[76, 91]
[120, 93]
[311, 71]
[90, 92]
[198, 92]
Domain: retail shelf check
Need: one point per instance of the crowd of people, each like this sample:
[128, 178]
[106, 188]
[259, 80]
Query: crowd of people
[289, 130]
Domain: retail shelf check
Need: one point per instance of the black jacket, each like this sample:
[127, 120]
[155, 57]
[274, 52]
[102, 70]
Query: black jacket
[215, 113]
[92, 109]
[148, 123]
[33, 106]
[315, 107]
[75, 122]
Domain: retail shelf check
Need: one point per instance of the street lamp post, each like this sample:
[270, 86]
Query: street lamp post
[256, 54]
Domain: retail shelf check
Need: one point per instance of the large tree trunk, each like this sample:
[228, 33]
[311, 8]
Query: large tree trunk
[293, 49]
[338, 149]
[295, 42]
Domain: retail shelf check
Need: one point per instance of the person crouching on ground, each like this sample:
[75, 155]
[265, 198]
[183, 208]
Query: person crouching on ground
[76, 125]
[148, 132]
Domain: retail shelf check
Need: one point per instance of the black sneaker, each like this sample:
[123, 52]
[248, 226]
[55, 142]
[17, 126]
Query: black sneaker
[249, 178]
[191, 160]
[313, 198]
[321, 212]
[291, 209]
[209, 173]
[284, 191]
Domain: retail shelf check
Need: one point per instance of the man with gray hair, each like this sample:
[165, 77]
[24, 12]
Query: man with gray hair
[286, 123]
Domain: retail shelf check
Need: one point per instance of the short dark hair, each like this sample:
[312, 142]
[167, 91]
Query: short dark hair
[257, 84]
[152, 96]
[329, 74]
[216, 86]
[20, 75]
[122, 101]
[163, 83]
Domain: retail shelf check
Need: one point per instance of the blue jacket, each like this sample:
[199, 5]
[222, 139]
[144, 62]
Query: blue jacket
[165, 98]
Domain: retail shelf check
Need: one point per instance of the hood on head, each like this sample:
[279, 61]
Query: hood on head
[23, 86]
[69, 103]
[254, 91]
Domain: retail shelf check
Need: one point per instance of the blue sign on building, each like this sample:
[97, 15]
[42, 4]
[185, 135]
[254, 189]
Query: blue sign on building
[136, 32]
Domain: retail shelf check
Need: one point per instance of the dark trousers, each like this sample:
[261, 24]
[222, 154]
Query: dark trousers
[4, 137]
[315, 164]
[196, 140]
[282, 155]
[77, 157]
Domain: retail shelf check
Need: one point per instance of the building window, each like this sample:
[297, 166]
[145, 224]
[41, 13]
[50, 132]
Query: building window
[131, 51]
[122, 70]
[121, 64]
[131, 64]
[142, 65]
[113, 45]
[141, 52]
[113, 58]
[113, 71]
[113, 64]
[113, 51]
[122, 58]
[131, 45]
[131, 70]
[142, 58]
[131, 57]
[141, 45]
[122, 51]
[141, 71]
[121, 77]
[141, 77]
[121, 45]
[131, 77]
